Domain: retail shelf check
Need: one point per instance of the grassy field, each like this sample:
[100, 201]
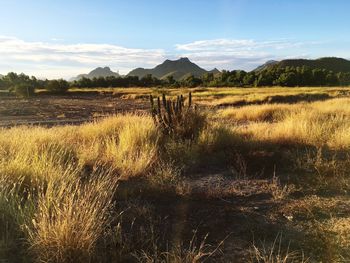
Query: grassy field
[266, 179]
[230, 96]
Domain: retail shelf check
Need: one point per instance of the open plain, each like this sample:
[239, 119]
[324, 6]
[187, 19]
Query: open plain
[264, 178]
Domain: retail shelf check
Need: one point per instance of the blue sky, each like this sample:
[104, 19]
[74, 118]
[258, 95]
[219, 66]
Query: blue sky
[61, 38]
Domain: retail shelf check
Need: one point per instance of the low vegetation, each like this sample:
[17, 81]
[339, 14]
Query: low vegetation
[329, 72]
[265, 183]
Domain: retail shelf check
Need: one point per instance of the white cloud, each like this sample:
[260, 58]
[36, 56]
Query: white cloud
[57, 56]
[239, 53]
[236, 45]
[57, 59]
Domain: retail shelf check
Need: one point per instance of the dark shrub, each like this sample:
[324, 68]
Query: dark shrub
[57, 86]
[24, 90]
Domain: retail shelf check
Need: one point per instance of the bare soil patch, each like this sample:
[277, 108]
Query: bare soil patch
[64, 109]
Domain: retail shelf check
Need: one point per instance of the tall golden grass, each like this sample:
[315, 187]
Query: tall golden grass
[71, 217]
[57, 184]
[61, 209]
[317, 124]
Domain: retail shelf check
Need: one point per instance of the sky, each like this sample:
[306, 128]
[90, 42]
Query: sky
[63, 38]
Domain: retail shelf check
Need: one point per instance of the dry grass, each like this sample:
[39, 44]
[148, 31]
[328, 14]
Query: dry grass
[179, 253]
[275, 254]
[135, 148]
[127, 144]
[259, 113]
[319, 123]
[228, 95]
[49, 195]
[70, 218]
[57, 184]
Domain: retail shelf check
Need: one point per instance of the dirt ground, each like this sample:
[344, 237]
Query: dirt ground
[64, 109]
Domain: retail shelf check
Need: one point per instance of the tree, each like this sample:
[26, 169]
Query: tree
[264, 79]
[21, 84]
[191, 81]
[305, 76]
[318, 77]
[332, 79]
[207, 78]
[170, 80]
[249, 79]
[147, 80]
[24, 89]
[288, 79]
[57, 86]
[2, 83]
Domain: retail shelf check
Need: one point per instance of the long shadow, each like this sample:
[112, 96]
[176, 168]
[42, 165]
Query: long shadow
[287, 99]
[239, 220]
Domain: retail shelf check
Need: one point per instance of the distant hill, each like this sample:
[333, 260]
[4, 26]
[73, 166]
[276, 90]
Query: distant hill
[98, 72]
[214, 71]
[266, 65]
[177, 68]
[329, 63]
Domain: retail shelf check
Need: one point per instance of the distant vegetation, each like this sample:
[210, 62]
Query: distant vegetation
[23, 85]
[184, 73]
[288, 77]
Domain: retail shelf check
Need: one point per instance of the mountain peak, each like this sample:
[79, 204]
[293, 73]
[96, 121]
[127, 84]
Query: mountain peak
[266, 65]
[184, 59]
[102, 69]
[179, 69]
[180, 60]
[214, 71]
[98, 72]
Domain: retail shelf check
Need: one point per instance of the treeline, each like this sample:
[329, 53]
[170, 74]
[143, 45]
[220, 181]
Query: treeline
[288, 77]
[294, 76]
[24, 85]
[275, 76]
[134, 81]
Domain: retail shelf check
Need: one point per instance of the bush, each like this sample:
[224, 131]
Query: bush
[24, 90]
[57, 86]
[179, 121]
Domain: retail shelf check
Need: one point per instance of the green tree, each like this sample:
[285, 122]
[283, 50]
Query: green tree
[332, 79]
[207, 78]
[264, 79]
[249, 79]
[57, 86]
[288, 79]
[24, 89]
[191, 81]
[21, 84]
[170, 80]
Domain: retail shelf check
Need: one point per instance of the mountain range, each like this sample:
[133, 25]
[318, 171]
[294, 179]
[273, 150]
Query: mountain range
[329, 63]
[183, 67]
[179, 69]
[97, 72]
[266, 65]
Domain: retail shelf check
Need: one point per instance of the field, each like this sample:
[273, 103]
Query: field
[90, 176]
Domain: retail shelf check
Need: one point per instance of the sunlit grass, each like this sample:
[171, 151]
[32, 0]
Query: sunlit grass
[58, 184]
[318, 123]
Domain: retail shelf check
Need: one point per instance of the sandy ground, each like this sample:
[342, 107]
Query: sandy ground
[61, 109]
